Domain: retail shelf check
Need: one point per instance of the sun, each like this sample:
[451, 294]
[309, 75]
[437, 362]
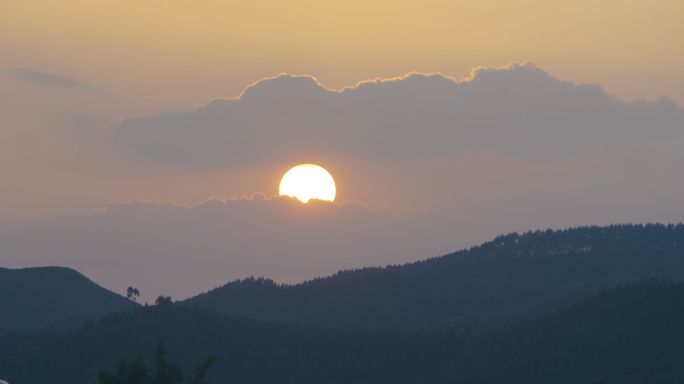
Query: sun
[308, 181]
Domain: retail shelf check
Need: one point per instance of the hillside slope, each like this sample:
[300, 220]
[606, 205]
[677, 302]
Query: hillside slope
[33, 297]
[248, 351]
[619, 334]
[511, 278]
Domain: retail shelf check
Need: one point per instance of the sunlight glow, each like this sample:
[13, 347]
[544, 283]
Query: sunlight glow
[308, 181]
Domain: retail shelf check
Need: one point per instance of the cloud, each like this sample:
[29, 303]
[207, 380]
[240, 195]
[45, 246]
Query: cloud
[524, 150]
[164, 248]
[517, 108]
[46, 78]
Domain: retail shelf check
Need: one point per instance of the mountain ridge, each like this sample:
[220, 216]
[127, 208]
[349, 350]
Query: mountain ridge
[508, 279]
[40, 296]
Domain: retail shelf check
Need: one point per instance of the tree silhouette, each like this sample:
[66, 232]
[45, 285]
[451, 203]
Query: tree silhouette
[131, 292]
[163, 372]
[200, 372]
[162, 300]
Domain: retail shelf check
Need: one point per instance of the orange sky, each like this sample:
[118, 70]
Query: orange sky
[171, 55]
[528, 142]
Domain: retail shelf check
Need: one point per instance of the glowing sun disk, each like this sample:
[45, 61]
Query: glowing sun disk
[308, 181]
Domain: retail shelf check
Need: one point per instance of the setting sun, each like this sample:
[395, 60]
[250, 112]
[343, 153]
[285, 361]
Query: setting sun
[308, 181]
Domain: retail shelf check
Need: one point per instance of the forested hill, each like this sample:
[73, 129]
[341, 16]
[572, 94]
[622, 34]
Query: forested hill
[248, 351]
[33, 297]
[508, 279]
[613, 337]
[565, 256]
[628, 334]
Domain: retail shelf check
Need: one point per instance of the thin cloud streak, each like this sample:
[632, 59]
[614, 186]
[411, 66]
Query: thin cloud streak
[46, 78]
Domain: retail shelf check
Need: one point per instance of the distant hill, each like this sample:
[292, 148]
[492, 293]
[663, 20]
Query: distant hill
[32, 297]
[620, 334]
[510, 278]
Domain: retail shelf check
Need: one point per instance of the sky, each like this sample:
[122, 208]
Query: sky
[142, 143]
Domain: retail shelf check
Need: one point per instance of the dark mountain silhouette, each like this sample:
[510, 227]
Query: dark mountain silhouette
[56, 296]
[248, 351]
[511, 278]
[632, 333]
[629, 332]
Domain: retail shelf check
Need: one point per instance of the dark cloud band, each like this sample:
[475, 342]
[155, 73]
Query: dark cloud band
[517, 108]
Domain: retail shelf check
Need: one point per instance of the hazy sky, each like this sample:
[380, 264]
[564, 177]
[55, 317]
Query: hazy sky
[164, 55]
[472, 118]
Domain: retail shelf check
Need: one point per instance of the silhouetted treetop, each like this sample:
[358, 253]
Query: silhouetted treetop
[162, 372]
